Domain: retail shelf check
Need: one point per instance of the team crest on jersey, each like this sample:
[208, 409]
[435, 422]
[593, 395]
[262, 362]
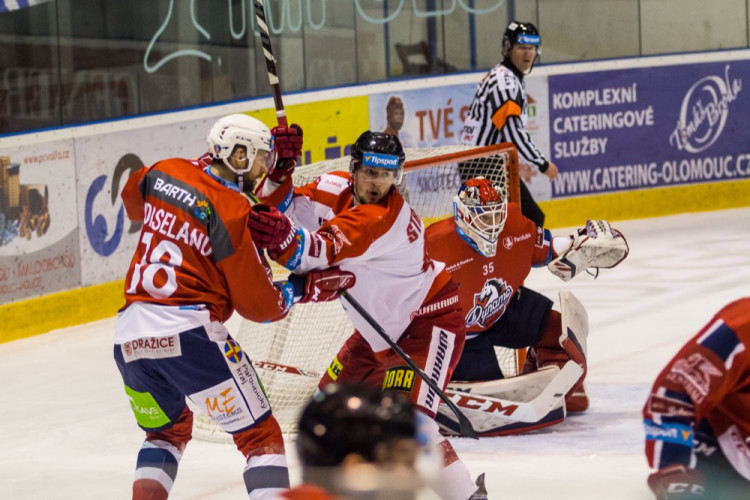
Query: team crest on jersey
[491, 301]
[694, 373]
[338, 238]
[232, 351]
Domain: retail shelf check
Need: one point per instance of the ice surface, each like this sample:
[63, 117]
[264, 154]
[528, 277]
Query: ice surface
[67, 430]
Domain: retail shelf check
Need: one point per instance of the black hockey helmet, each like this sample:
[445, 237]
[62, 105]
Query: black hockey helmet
[519, 32]
[344, 418]
[380, 150]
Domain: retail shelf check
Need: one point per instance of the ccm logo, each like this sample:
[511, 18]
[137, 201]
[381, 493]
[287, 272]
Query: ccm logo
[480, 404]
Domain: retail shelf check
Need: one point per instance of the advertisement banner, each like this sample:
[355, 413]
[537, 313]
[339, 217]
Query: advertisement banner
[105, 161]
[435, 116]
[422, 117]
[649, 127]
[38, 225]
[329, 127]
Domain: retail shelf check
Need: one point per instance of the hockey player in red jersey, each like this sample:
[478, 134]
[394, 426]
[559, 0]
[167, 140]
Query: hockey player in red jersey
[697, 416]
[490, 247]
[195, 263]
[357, 220]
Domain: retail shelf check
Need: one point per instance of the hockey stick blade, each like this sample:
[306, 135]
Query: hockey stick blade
[465, 426]
[506, 413]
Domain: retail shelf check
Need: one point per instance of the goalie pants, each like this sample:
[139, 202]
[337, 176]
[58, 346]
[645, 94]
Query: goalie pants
[434, 340]
[522, 325]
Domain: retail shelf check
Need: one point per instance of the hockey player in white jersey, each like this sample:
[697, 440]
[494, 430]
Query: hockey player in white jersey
[499, 112]
[359, 222]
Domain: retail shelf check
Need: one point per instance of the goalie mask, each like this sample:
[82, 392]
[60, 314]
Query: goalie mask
[378, 150]
[240, 131]
[480, 212]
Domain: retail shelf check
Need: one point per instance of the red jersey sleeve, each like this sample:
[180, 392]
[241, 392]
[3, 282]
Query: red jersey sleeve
[703, 381]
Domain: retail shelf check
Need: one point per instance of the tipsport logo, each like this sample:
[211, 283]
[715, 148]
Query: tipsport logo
[379, 160]
[103, 239]
[704, 112]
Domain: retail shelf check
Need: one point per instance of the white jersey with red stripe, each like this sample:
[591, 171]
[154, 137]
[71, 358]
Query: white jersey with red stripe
[383, 244]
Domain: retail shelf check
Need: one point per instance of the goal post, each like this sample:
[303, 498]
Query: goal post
[291, 355]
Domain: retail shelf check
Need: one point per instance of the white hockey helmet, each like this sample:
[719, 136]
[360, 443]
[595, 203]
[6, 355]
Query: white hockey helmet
[480, 211]
[240, 130]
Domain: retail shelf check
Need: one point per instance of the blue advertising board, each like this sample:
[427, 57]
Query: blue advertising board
[649, 127]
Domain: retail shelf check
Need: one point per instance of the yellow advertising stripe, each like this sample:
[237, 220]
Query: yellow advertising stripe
[328, 126]
[644, 203]
[29, 317]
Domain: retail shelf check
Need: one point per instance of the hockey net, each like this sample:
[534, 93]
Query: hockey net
[291, 355]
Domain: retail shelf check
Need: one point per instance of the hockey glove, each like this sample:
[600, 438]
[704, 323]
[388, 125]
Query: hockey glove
[676, 482]
[287, 143]
[321, 286]
[598, 245]
[270, 229]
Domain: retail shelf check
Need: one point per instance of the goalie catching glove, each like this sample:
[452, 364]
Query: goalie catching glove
[321, 286]
[287, 144]
[598, 245]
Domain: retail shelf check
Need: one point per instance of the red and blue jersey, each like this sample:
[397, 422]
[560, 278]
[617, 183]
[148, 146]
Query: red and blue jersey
[708, 382]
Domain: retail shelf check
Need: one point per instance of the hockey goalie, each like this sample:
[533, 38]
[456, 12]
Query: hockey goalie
[490, 248]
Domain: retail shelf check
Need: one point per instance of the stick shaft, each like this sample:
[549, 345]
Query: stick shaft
[466, 428]
[273, 76]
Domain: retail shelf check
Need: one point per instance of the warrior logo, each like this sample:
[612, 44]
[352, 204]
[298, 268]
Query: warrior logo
[490, 302]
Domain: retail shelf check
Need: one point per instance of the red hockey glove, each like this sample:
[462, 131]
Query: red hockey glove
[676, 482]
[270, 229]
[287, 143]
[323, 285]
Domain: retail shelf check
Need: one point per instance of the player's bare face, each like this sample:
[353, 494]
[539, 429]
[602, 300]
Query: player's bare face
[239, 160]
[372, 184]
[522, 56]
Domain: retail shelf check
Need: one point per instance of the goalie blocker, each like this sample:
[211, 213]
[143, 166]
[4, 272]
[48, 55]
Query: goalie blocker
[527, 402]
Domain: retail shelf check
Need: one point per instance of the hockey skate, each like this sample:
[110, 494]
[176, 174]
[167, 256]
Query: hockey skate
[481, 493]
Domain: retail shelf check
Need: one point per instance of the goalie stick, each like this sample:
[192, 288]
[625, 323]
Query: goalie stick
[464, 425]
[534, 400]
[494, 416]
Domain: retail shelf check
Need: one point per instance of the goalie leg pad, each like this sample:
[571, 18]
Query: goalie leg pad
[563, 340]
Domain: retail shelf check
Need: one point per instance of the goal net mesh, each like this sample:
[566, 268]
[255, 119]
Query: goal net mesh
[291, 355]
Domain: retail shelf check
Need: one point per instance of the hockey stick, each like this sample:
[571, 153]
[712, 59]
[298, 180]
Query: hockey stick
[273, 76]
[495, 415]
[465, 425]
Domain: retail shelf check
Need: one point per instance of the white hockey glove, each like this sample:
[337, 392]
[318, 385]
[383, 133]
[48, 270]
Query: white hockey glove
[598, 245]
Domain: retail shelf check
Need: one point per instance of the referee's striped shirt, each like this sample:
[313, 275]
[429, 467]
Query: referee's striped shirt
[499, 114]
